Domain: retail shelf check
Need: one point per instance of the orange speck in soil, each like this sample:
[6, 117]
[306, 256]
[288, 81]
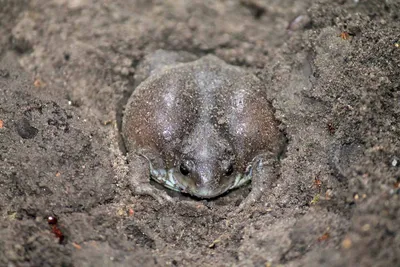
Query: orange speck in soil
[131, 212]
[38, 83]
[344, 35]
[323, 237]
[346, 243]
[76, 245]
[1, 124]
[58, 174]
[317, 183]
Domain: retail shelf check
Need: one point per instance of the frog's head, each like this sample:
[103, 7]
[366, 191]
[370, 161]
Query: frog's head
[205, 178]
[206, 166]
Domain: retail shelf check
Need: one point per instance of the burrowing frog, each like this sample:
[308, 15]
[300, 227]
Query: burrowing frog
[203, 127]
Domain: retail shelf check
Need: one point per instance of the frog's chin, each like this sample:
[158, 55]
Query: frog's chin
[206, 192]
[209, 192]
[171, 180]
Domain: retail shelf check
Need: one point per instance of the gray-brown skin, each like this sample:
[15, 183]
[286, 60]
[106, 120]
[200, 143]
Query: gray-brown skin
[207, 123]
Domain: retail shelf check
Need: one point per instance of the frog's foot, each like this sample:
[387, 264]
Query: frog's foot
[250, 200]
[146, 189]
[139, 180]
[264, 172]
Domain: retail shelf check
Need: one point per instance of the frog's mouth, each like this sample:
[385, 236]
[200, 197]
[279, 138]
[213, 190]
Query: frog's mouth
[166, 177]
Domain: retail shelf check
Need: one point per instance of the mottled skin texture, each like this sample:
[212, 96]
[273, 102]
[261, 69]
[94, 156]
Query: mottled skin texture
[208, 122]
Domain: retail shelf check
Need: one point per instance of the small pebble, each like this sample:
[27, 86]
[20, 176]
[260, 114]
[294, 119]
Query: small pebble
[51, 220]
[394, 162]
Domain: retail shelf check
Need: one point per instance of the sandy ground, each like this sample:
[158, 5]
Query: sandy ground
[67, 68]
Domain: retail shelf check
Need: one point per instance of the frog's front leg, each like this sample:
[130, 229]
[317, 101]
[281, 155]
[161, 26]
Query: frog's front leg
[139, 179]
[264, 173]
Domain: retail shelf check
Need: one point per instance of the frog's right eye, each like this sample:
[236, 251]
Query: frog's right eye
[184, 169]
[229, 170]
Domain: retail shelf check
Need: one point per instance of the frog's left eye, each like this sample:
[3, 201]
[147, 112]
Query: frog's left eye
[229, 170]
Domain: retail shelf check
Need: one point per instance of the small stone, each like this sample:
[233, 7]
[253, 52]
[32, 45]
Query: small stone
[51, 220]
[124, 71]
[366, 227]
[346, 243]
[126, 62]
[394, 162]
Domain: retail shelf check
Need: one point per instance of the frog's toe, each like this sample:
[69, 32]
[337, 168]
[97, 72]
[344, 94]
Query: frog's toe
[249, 201]
[159, 195]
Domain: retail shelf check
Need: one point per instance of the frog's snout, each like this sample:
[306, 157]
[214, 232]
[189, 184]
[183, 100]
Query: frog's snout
[202, 182]
[204, 192]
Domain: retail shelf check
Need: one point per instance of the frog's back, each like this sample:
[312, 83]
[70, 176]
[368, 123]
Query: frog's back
[172, 104]
[241, 111]
[160, 112]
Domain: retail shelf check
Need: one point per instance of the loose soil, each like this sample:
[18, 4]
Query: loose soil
[332, 71]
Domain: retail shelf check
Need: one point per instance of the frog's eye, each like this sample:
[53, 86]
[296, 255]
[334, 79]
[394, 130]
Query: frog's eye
[184, 169]
[229, 170]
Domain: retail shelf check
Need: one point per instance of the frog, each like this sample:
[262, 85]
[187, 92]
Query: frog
[200, 126]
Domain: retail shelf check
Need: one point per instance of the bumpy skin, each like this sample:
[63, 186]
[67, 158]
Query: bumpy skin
[207, 122]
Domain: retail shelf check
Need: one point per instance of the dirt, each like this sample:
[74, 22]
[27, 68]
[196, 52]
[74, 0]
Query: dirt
[332, 71]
